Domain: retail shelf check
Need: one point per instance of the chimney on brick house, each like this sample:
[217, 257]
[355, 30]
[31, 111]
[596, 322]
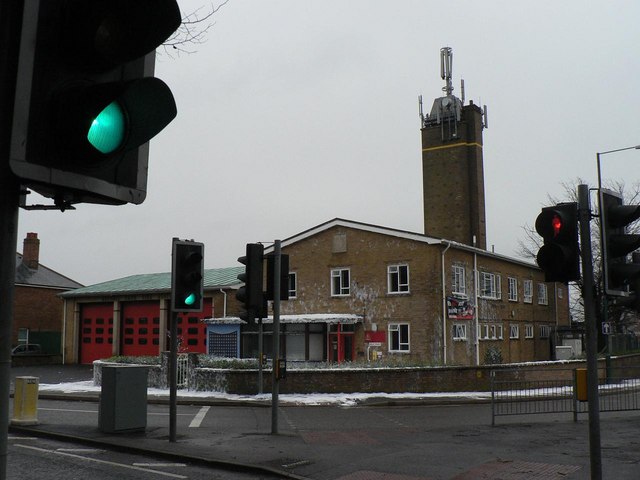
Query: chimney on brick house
[31, 251]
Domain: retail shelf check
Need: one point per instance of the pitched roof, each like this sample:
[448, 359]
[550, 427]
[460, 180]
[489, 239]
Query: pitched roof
[393, 232]
[42, 277]
[156, 283]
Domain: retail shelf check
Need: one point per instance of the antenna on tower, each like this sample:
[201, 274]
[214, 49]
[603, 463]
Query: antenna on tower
[462, 90]
[421, 111]
[446, 68]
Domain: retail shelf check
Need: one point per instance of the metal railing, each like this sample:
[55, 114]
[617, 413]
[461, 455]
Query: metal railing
[518, 392]
[183, 370]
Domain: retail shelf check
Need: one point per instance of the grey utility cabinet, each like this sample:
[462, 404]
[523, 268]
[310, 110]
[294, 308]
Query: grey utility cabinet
[123, 401]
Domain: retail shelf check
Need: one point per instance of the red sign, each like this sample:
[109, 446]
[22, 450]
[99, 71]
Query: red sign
[375, 337]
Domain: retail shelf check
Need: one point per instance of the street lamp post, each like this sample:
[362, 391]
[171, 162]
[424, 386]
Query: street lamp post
[592, 330]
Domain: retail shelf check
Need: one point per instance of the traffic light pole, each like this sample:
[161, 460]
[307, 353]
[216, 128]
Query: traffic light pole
[9, 198]
[10, 14]
[275, 385]
[584, 215]
[173, 377]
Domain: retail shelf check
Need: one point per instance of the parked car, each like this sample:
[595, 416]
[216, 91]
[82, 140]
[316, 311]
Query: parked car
[27, 349]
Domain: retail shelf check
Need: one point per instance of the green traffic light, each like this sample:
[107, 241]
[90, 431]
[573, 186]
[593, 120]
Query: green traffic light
[190, 300]
[107, 130]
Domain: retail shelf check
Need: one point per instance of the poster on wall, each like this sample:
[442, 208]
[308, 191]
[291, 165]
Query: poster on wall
[459, 309]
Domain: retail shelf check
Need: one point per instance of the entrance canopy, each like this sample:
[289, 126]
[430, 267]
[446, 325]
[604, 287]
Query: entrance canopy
[328, 318]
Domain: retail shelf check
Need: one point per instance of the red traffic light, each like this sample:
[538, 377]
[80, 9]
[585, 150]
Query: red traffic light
[559, 256]
[550, 224]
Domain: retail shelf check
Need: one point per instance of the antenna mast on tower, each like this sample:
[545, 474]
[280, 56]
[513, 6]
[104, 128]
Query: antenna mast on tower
[446, 68]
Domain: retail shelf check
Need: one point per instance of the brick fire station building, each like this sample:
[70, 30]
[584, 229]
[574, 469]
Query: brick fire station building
[361, 291]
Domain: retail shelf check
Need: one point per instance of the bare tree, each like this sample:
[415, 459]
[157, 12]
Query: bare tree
[192, 31]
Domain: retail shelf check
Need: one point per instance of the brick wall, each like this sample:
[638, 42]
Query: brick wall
[38, 309]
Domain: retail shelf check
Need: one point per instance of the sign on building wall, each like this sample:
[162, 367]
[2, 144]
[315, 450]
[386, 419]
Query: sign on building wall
[459, 309]
[378, 337]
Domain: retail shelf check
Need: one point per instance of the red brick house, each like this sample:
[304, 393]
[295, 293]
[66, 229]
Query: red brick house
[37, 306]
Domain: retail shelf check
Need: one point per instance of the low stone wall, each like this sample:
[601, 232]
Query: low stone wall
[372, 380]
[36, 359]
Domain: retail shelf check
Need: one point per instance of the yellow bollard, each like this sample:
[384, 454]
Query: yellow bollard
[581, 384]
[25, 401]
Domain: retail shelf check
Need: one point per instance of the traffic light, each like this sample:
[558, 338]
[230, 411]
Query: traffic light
[187, 276]
[559, 257]
[251, 295]
[284, 277]
[86, 101]
[619, 275]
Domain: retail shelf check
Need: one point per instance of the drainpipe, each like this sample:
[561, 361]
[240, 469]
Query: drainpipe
[475, 310]
[444, 308]
[64, 328]
[224, 304]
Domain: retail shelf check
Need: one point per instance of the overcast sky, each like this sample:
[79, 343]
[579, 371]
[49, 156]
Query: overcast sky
[295, 112]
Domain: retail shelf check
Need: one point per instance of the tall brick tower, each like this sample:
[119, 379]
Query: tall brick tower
[452, 169]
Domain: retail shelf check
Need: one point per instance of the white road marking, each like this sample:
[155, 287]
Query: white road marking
[79, 450]
[10, 437]
[159, 464]
[104, 462]
[197, 420]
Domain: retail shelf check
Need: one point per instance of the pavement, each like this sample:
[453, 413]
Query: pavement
[407, 441]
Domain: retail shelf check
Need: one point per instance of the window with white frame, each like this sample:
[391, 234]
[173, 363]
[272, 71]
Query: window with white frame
[340, 282]
[293, 284]
[398, 337]
[545, 331]
[513, 289]
[398, 278]
[527, 291]
[490, 286]
[458, 284]
[528, 331]
[514, 332]
[490, 331]
[542, 294]
[459, 331]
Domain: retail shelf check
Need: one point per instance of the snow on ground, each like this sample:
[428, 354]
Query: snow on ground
[336, 399]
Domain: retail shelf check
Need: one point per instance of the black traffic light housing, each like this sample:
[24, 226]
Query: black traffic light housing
[559, 256]
[187, 276]
[620, 276]
[86, 101]
[251, 295]
[284, 277]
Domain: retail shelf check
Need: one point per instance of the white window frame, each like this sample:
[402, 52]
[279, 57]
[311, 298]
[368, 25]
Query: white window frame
[396, 330]
[543, 298]
[394, 271]
[514, 332]
[513, 289]
[460, 332]
[340, 286]
[458, 281]
[528, 331]
[293, 285]
[527, 291]
[545, 331]
[490, 286]
[490, 331]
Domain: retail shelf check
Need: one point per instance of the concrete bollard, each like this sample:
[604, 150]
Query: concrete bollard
[25, 401]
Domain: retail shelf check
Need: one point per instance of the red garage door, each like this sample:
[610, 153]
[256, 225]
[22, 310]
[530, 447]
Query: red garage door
[140, 328]
[192, 332]
[96, 331]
